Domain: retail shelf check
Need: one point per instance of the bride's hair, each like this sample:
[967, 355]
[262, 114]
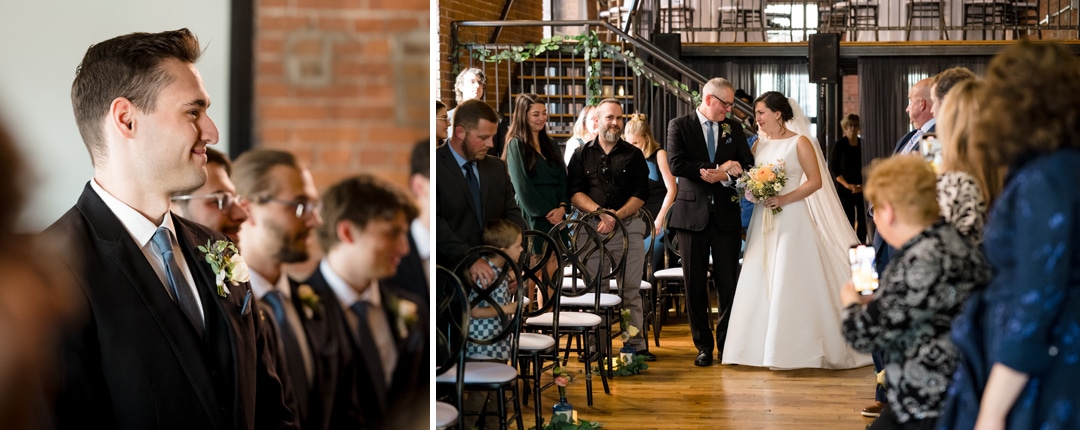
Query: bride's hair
[777, 102]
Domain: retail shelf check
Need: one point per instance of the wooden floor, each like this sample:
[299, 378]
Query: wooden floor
[675, 394]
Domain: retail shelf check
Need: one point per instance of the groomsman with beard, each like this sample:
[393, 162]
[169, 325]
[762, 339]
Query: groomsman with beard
[163, 344]
[282, 212]
[382, 328]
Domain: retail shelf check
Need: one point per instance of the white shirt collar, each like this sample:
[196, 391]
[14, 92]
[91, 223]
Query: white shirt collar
[140, 228]
[344, 292]
[260, 285]
[422, 237]
[701, 118]
[926, 127]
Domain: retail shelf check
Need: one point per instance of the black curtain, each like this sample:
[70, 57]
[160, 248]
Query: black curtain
[883, 89]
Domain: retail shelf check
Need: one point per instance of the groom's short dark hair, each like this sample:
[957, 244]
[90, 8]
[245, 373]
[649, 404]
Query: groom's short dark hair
[126, 66]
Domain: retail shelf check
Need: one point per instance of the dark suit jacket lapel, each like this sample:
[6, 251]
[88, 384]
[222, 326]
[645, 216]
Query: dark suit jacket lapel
[411, 343]
[697, 143]
[182, 337]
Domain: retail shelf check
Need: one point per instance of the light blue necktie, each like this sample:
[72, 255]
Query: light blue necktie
[710, 140]
[912, 144]
[178, 286]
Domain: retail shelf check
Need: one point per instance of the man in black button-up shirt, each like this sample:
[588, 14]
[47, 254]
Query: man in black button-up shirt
[610, 173]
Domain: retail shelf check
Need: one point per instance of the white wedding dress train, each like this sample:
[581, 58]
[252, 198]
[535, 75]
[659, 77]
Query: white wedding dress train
[786, 311]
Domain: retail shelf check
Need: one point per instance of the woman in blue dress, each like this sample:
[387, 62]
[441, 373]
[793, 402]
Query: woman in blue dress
[1020, 338]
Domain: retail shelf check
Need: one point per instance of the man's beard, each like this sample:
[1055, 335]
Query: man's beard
[293, 247]
[612, 133]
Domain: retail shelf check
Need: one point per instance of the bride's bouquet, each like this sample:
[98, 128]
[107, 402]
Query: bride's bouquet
[761, 182]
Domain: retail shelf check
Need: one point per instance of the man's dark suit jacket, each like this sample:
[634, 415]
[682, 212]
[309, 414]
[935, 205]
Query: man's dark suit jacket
[365, 408]
[456, 227]
[134, 361]
[687, 154]
[410, 273]
[882, 251]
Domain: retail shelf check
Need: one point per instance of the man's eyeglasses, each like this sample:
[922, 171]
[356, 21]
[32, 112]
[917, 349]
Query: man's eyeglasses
[726, 105]
[303, 208]
[442, 118]
[224, 200]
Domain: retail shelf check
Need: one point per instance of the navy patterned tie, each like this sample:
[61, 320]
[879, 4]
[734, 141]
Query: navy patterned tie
[474, 188]
[178, 286]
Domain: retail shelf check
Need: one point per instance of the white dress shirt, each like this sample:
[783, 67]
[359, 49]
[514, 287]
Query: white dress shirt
[142, 232]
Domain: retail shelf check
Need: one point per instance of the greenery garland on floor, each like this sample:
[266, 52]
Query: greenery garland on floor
[593, 48]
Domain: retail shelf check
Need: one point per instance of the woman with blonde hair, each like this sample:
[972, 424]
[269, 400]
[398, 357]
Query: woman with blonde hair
[1019, 339]
[968, 185]
[584, 132]
[662, 187]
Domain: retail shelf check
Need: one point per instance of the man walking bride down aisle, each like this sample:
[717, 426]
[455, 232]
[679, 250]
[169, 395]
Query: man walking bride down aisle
[786, 311]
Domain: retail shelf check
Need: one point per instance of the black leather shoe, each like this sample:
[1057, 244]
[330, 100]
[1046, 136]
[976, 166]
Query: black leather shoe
[648, 355]
[703, 359]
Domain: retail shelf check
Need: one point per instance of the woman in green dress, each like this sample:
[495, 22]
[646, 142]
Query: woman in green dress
[536, 168]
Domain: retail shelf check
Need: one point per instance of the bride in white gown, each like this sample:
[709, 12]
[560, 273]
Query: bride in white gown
[786, 312]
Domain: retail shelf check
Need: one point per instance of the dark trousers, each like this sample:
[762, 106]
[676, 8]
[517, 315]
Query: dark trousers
[695, 247]
[879, 393]
[855, 208]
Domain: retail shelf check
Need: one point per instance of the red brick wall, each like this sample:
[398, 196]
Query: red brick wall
[850, 99]
[343, 84]
[482, 10]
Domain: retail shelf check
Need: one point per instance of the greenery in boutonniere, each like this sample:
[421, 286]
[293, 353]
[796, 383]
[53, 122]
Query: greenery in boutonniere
[227, 263]
[726, 128]
[309, 301]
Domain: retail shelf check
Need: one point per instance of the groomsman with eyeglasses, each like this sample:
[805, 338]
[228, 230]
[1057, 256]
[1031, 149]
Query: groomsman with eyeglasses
[282, 214]
[214, 203]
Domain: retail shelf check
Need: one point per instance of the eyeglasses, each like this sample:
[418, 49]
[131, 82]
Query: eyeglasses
[224, 200]
[726, 105]
[303, 208]
[443, 118]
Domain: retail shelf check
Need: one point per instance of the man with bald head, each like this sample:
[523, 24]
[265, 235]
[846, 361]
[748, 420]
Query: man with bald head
[920, 110]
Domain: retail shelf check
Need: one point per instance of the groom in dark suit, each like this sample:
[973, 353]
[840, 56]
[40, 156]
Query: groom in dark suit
[471, 188]
[707, 150]
[162, 343]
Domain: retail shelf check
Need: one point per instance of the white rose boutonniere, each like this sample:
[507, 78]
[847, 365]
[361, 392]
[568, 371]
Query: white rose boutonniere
[726, 128]
[406, 316]
[227, 264]
[309, 300]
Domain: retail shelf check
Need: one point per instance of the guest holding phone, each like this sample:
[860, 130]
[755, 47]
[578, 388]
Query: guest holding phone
[909, 318]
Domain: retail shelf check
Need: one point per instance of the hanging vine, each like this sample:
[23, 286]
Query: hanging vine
[593, 49]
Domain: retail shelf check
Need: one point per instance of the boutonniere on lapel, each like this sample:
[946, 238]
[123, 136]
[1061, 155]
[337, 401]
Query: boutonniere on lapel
[726, 130]
[405, 315]
[309, 301]
[227, 264]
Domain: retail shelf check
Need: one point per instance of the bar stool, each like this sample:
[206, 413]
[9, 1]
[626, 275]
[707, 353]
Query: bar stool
[923, 9]
[864, 14]
[985, 13]
[738, 14]
[678, 19]
[1023, 14]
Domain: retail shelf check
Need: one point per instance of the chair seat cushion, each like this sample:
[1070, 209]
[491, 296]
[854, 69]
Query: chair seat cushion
[535, 342]
[645, 285]
[445, 415]
[481, 372]
[589, 299]
[672, 273]
[566, 320]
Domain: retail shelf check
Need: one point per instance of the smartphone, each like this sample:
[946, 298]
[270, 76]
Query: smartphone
[863, 274]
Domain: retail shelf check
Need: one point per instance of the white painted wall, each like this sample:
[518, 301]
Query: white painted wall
[42, 42]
